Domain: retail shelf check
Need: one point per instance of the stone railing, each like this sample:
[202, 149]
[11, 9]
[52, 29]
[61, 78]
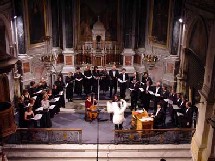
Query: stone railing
[46, 136]
[154, 136]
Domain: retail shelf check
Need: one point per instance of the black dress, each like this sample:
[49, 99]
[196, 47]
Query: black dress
[78, 83]
[87, 82]
[69, 88]
[95, 81]
[104, 81]
[60, 85]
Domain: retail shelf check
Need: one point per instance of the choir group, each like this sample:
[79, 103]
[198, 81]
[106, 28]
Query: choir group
[40, 102]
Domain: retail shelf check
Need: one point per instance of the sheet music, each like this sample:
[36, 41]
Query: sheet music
[145, 119]
[157, 95]
[130, 89]
[168, 101]
[66, 84]
[57, 99]
[35, 97]
[175, 107]
[37, 117]
[180, 114]
[39, 109]
[150, 92]
[142, 83]
[61, 93]
[39, 91]
[139, 111]
[141, 89]
[88, 77]
[122, 81]
[51, 107]
[78, 79]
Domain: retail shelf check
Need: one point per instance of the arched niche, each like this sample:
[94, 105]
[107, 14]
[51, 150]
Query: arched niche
[195, 58]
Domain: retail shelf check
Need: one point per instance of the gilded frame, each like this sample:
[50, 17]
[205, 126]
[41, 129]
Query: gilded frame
[27, 20]
[152, 38]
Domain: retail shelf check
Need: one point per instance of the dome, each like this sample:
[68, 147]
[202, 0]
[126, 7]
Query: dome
[98, 25]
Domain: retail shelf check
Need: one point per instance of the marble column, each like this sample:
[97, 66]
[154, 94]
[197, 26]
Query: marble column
[172, 61]
[141, 16]
[68, 52]
[201, 145]
[128, 9]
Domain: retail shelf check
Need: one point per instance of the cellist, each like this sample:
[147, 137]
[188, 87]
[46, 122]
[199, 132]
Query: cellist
[90, 108]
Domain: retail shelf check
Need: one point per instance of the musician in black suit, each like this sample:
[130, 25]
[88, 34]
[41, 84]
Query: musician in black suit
[159, 117]
[134, 87]
[96, 77]
[146, 78]
[123, 80]
[157, 94]
[60, 85]
[134, 76]
[104, 80]
[32, 90]
[164, 95]
[69, 89]
[87, 80]
[187, 117]
[78, 76]
[146, 96]
[113, 75]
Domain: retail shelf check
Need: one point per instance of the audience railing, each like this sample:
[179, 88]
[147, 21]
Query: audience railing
[46, 136]
[154, 136]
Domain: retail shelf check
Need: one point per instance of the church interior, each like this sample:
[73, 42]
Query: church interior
[107, 79]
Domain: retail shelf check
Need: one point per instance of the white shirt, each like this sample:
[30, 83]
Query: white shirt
[123, 77]
[157, 112]
[114, 73]
[147, 88]
[157, 88]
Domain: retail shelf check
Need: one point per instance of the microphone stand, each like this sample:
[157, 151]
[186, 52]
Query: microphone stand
[97, 149]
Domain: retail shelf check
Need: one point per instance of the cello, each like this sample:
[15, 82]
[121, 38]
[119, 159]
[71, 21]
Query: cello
[92, 112]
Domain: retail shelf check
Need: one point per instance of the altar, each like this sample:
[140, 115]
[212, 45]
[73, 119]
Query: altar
[98, 51]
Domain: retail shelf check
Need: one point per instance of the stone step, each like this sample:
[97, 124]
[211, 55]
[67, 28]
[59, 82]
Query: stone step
[88, 152]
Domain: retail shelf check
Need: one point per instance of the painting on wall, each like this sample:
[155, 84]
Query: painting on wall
[104, 10]
[36, 21]
[159, 25]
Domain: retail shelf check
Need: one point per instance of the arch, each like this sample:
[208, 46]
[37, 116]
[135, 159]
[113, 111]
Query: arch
[197, 38]
[7, 28]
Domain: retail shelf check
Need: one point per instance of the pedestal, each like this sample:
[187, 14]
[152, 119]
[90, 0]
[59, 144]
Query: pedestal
[139, 65]
[69, 61]
[171, 69]
[128, 60]
[27, 69]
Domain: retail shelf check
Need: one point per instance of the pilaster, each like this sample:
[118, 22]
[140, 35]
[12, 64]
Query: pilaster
[69, 60]
[171, 65]
[27, 69]
[128, 60]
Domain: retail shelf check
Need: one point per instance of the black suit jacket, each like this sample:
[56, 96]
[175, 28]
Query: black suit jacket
[188, 117]
[111, 74]
[121, 77]
[159, 118]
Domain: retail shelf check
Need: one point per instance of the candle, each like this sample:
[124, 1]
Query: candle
[83, 49]
[115, 49]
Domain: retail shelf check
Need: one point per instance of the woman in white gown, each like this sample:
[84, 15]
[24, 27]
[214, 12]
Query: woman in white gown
[118, 109]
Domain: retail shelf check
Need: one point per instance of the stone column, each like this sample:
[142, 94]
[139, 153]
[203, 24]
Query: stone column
[141, 16]
[128, 53]
[68, 52]
[202, 140]
[27, 75]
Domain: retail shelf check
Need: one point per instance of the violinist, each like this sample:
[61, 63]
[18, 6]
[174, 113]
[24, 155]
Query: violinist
[90, 108]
